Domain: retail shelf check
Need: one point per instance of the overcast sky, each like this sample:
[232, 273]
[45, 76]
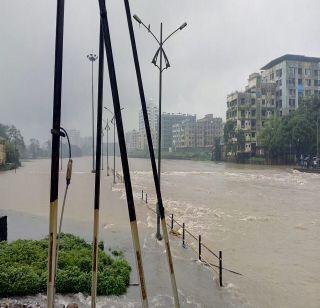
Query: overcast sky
[224, 42]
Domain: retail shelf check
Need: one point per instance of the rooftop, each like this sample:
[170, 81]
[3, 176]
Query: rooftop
[289, 57]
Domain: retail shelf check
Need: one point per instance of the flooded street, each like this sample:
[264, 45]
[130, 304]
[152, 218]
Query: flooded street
[264, 219]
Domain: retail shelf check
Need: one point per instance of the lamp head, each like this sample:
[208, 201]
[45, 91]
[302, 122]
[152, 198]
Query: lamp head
[137, 19]
[183, 26]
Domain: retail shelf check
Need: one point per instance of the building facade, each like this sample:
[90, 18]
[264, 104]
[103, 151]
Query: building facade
[295, 76]
[184, 134]
[168, 120]
[248, 110]
[133, 140]
[207, 129]
[153, 115]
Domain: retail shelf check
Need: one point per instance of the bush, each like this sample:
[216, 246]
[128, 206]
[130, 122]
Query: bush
[23, 268]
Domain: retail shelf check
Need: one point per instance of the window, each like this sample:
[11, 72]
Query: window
[308, 92]
[242, 123]
[307, 72]
[292, 81]
[299, 82]
[279, 82]
[242, 113]
[253, 101]
[263, 102]
[292, 102]
[253, 113]
[316, 72]
[271, 76]
[308, 81]
[292, 92]
[243, 101]
[279, 72]
[300, 71]
[253, 135]
[253, 123]
[263, 113]
[272, 102]
[292, 71]
[316, 82]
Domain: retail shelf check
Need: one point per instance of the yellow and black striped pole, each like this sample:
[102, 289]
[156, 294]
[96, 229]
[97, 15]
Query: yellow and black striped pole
[95, 249]
[123, 152]
[152, 156]
[55, 154]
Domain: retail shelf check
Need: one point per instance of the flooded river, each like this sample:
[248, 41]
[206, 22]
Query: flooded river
[266, 220]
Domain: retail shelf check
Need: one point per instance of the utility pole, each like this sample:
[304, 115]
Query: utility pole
[162, 55]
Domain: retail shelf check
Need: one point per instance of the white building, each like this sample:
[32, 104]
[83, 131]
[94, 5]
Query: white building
[75, 138]
[295, 76]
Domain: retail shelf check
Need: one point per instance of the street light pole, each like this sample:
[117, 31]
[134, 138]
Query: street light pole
[92, 57]
[107, 128]
[162, 55]
[113, 121]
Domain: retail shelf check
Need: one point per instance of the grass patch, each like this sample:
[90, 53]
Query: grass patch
[23, 268]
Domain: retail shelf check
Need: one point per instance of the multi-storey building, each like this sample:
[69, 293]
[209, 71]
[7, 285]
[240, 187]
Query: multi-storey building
[184, 134]
[207, 129]
[248, 110]
[153, 115]
[295, 76]
[133, 140]
[2, 151]
[168, 120]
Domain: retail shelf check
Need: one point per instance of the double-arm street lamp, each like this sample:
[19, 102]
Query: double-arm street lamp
[113, 121]
[157, 61]
[92, 57]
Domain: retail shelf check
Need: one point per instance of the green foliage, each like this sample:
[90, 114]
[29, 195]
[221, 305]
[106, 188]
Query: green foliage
[296, 133]
[23, 268]
[234, 138]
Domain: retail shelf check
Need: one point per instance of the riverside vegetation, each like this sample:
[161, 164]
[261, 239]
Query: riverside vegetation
[23, 268]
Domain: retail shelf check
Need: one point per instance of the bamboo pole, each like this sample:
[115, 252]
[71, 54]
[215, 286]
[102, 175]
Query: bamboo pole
[56, 121]
[123, 152]
[152, 156]
[95, 249]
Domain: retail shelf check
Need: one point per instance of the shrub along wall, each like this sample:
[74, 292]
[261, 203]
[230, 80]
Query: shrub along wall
[23, 268]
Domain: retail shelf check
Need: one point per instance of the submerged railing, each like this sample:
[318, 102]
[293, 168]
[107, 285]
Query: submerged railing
[195, 243]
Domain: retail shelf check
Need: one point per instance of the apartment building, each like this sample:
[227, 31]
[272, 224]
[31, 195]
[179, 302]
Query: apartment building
[133, 140]
[184, 134]
[207, 129]
[168, 120]
[295, 76]
[248, 110]
[153, 115]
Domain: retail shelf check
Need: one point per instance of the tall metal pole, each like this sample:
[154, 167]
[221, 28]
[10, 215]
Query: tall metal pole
[56, 123]
[92, 111]
[92, 57]
[97, 174]
[60, 153]
[158, 233]
[317, 136]
[123, 153]
[108, 147]
[102, 135]
[152, 156]
[114, 151]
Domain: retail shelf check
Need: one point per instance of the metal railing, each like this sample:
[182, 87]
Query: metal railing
[195, 243]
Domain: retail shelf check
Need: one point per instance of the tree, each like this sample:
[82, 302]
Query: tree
[34, 148]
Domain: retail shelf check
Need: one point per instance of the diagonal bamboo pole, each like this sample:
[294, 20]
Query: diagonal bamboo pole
[152, 156]
[123, 152]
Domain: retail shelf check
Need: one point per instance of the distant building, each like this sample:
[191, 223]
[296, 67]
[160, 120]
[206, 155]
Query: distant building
[184, 134]
[75, 138]
[133, 140]
[153, 116]
[207, 129]
[168, 120]
[2, 151]
[249, 110]
[295, 76]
